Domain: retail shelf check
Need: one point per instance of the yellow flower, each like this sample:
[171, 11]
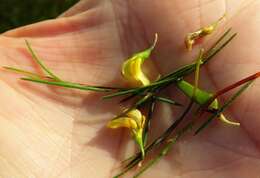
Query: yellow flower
[132, 68]
[215, 106]
[204, 31]
[133, 120]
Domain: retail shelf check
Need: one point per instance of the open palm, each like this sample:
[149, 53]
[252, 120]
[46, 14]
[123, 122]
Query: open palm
[48, 132]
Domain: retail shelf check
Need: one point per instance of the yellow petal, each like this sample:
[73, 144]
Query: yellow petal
[132, 68]
[137, 116]
[214, 104]
[134, 113]
[189, 41]
[143, 121]
[225, 120]
[132, 71]
[122, 122]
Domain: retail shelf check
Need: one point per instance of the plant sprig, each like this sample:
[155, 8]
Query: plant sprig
[146, 97]
[181, 72]
[190, 125]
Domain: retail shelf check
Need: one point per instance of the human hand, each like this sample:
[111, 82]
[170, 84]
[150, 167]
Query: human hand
[48, 132]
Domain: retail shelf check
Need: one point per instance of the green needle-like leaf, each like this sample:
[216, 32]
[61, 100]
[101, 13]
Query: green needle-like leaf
[38, 61]
[165, 150]
[123, 92]
[68, 85]
[167, 100]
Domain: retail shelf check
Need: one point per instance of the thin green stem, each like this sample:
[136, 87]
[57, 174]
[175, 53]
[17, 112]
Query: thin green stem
[148, 120]
[197, 72]
[23, 72]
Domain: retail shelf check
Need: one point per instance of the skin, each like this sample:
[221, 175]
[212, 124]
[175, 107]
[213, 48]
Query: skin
[56, 133]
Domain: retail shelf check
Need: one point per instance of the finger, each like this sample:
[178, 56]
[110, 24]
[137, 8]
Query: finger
[80, 7]
[89, 52]
[58, 26]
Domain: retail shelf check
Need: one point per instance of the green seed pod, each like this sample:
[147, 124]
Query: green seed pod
[201, 97]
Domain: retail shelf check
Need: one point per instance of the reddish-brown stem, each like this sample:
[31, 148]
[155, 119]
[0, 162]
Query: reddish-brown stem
[228, 88]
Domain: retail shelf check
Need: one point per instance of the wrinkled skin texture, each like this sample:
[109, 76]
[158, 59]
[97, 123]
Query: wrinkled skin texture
[54, 133]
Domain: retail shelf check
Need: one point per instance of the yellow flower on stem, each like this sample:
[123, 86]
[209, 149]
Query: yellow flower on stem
[202, 97]
[215, 105]
[132, 67]
[192, 37]
[133, 120]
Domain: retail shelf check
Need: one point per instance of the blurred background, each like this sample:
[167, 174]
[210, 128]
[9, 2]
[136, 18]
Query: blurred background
[15, 13]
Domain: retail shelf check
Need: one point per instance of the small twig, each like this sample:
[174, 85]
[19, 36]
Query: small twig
[226, 104]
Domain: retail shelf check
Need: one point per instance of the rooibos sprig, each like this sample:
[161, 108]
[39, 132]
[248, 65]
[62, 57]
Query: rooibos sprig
[144, 95]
